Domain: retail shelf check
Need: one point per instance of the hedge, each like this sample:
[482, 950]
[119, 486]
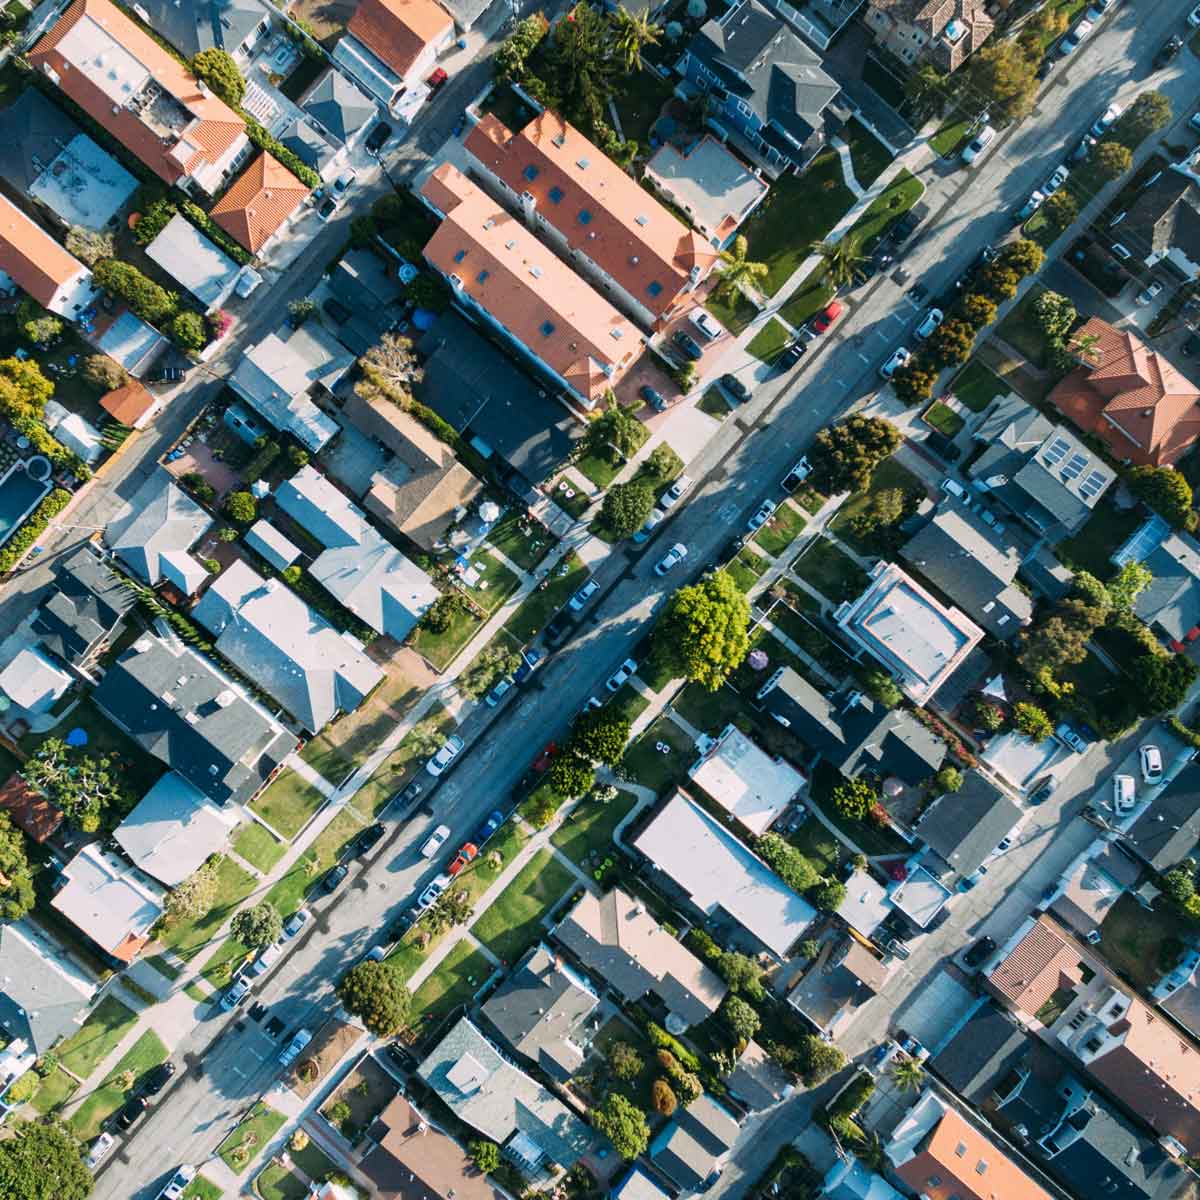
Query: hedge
[262, 461]
[215, 233]
[20, 542]
[145, 297]
[264, 141]
[662, 1040]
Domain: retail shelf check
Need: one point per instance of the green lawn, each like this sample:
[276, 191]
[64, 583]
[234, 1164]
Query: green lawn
[441, 649]
[629, 702]
[885, 210]
[288, 804]
[708, 711]
[513, 922]
[496, 582]
[396, 770]
[252, 1135]
[653, 675]
[597, 465]
[1022, 332]
[225, 959]
[976, 386]
[868, 154]
[950, 136]
[888, 475]
[1090, 549]
[746, 568]
[54, 1091]
[276, 1182]
[639, 101]
[1132, 939]
[835, 575]
[769, 341]
[649, 766]
[590, 826]
[943, 418]
[146, 1053]
[713, 403]
[98, 1037]
[735, 312]
[781, 530]
[455, 981]
[574, 505]
[807, 300]
[525, 549]
[188, 935]
[540, 605]
[202, 1189]
[819, 846]
[258, 847]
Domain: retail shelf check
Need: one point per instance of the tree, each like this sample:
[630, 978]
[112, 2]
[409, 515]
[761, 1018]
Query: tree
[615, 431]
[703, 634]
[885, 509]
[663, 463]
[453, 907]
[1004, 74]
[42, 1161]
[89, 245]
[599, 735]
[840, 259]
[196, 895]
[977, 310]
[854, 798]
[393, 367]
[817, 1060]
[148, 301]
[1032, 722]
[742, 973]
[1146, 115]
[221, 73]
[829, 895]
[845, 456]
[740, 271]
[623, 1123]
[794, 868]
[153, 220]
[375, 992]
[948, 779]
[241, 507]
[951, 342]
[1164, 490]
[1111, 160]
[742, 1020]
[38, 326]
[913, 382]
[907, 1074]
[1059, 641]
[493, 663]
[999, 282]
[485, 1155]
[103, 373]
[188, 330]
[1061, 209]
[82, 785]
[927, 88]
[631, 34]
[1179, 882]
[624, 1061]
[1054, 314]
[570, 775]
[584, 67]
[514, 51]
[1022, 256]
[1086, 347]
[1161, 681]
[882, 687]
[1127, 584]
[626, 507]
[299, 310]
[258, 926]
[16, 892]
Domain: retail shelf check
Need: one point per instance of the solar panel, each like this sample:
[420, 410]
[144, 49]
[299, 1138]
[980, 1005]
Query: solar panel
[1056, 451]
[1092, 485]
[1075, 465]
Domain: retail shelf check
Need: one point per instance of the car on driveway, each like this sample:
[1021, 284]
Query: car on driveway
[762, 514]
[501, 689]
[451, 749]
[622, 673]
[377, 138]
[291, 1051]
[675, 492]
[1148, 293]
[1043, 791]
[435, 841]
[178, 1182]
[1070, 736]
[929, 322]
[824, 320]
[1124, 793]
[900, 357]
[584, 594]
[653, 397]
[1150, 758]
[978, 144]
[979, 952]
[687, 344]
[736, 388]
[707, 324]
[1101, 124]
[671, 559]
[334, 878]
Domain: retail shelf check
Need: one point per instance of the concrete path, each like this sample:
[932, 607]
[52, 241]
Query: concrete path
[848, 176]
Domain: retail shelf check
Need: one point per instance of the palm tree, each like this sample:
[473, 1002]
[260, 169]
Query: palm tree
[1087, 347]
[907, 1074]
[739, 269]
[632, 33]
[841, 259]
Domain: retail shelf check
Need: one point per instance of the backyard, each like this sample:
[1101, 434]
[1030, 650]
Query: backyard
[520, 541]
[360, 1098]
[1141, 945]
[513, 921]
[638, 102]
[1091, 548]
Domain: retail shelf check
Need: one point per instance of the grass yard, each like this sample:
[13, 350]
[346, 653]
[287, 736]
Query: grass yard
[527, 622]
[496, 582]
[868, 154]
[258, 846]
[99, 1036]
[145, 1054]
[807, 300]
[377, 792]
[735, 312]
[202, 1189]
[590, 826]
[1106, 529]
[1132, 939]
[188, 936]
[629, 702]
[889, 474]
[653, 675]
[519, 541]
[943, 418]
[713, 403]
[769, 341]
[225, 959]
[950, 135]
[249, 1138]
[708, 711]
[781, 530]
[288, 804]
[639, 101]
[569, 498]
[885, 210]
[441, 649]
[819, 846]
[54, 1091]
[653, 768]
[276, 1182]
[832, 572]
[513, 922]
[976, 386]
[1021, 331]
[596, 464]
[746, 568]
[455, 981]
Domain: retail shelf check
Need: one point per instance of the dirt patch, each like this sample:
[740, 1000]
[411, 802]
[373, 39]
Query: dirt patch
[364, 1094]
[326, 1049]
[327, 17]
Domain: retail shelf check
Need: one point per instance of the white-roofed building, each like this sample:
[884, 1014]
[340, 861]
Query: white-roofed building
[195, 262]
[132, 343]
[745, 780]
[77, 433]
[84, 185]
[265, 540]
[718, 872]
[33, 681]
[155, 529]
[866, 904]
[920, 641]
[920, 897]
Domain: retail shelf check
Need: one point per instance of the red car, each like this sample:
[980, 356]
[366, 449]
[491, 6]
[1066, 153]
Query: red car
[436, 80]
[542, 762]
[465, 854]
[826, 317]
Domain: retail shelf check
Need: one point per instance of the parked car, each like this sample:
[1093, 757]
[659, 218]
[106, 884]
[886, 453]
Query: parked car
[178, 1182]
[155, 1080]
[908, 224]
[344, 182]
[671, 559]
[899, 357]
[291, 1051]
[268, 956]
[436, 81]
[466, 854]
[978, 144]
[325, 211]
[378, 137]
[1108, 117]
[1193, 18]
[1071, 737]
[132, 1112]
[485, 831]
[1043, 791]
[1074, 39]
[435, 841]
[451, 749]
[99, 1150]
[675, 492]
[1124, 793]
[1083, 149]
[736, 388]
[825, 319]
[498, 692]
[334, 878]
[558, 627]
[367, 840]
[791, 354]
[235, 994]
[653, 521]
[1149, 292]
[401, 925]
[653, 397]
[295, 923]
[1150, 757]
[529, 664]
[1036, 199]
[432, 890]
[582, 596]
[1056, 179]
[622, 673]
[979, 952]
[762, 514]
[796, 476]
[707, 324]
[929, 322]
[1170, 48]
[687, 344]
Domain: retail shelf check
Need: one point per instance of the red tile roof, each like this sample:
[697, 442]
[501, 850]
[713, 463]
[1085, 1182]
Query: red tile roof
[31, 257]
[29, 809]
[397, 31]
[1130, 397]
[212, 132]
[1041, 962]
[259, 203]
[128, 403]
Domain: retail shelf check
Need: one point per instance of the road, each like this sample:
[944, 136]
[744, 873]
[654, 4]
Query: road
[230, 1060]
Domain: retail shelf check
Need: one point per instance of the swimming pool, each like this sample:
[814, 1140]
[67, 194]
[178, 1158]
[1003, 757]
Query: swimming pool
[21, 491]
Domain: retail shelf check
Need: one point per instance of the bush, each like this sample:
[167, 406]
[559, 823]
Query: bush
[241, 507]
[188, 330]
[949, 779]
[485, 1155]
[829, 895]
[854, 798]
[624, 1061]
[1032, 721]
[149, 301]
[662, 1040]
[221, 73]
[787, 862]
[663, 1098]
[215, 233]
[153, 221]
[264, 458]
[103, 373]
[22, 1089]
[18, 545]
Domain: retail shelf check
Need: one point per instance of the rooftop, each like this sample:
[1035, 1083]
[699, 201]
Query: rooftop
[260, 203]
[336, 106]
[29, 810]
[397, 31]
[920, 897]
[1171, 602]
[1165, 833]
[1056, 487]
[691, 1147]
[843, 977]
[191, 259]
[746, 781]
[33, 681]
[39, 999]
[194, 25]
[159, 521]
[35, 262]
[85, 606]
[964, 827]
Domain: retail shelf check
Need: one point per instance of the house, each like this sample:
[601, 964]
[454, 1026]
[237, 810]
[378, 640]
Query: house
[866, 905]
[44, 155]
[938, 1153]
[339, 110]
[485, 1091]
[1176, 993]
[540, 1011]
[966, 826]
[128, 340]
[195, 720]
[717, 873]
[622, 945]
[410, 1159]
[980, 1051]
[1069, 999]
[311, 147]
[235, 26]
[370, 293]
[594, 213]
[40, 267]
[746, 781]
[919, 640]
[696, 1143]
[853, 732]
[84, 611]
[364, 572]
[279, 376]
[1170, 604]
[271, 546]
[637, 1185]
[504, 414]
[261, 203]
[851, 1179]
[174, 829]
[143, 96]
[132, 405]
[943, 33]
[109, 901]
[422, 487]
[185, 254]
[1130, 397]
[709, 183]
[1164, 219]
[502, 275]
[33, 681]
[1165, 831]
[766, 86]
[1092, 883]
[391, 46]
[843, 977]
[290, 650]
[920, 895]
[35, 816]
[1041, 472]
[43, 998]
[757, 1080]
[974, 566]
[152, 534]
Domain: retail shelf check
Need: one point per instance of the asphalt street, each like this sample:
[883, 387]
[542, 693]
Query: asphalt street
[229, 1059]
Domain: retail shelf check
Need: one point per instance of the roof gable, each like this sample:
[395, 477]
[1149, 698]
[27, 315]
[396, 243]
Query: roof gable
[259, 204]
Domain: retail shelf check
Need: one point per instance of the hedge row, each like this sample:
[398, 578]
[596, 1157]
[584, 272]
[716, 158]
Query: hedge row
[20, 542]
[215, 233]
[264, 141]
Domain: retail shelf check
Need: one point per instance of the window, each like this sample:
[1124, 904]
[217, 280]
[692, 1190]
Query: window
[530, 172]
[556, 195]
[642, 220]
[547, 328]
[585, 217]
[654, 288]
[582, 164]
[460, 255]
[961, 1149]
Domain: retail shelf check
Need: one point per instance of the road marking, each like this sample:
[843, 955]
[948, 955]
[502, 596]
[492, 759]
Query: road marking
[841, 382]
[449, 792]
[727, 511]
[897, 319]
[911, 301]
[864, 358]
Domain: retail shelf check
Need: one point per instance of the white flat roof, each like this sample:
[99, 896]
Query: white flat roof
[107, 898]
[866, 903]
[84, 185]
[710, 183]
[920, 897]
[1022, 762]
[102, 60]
[746, 781]
[188, 256]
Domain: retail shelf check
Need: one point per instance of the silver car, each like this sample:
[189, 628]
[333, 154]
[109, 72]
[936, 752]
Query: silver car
[450, 750]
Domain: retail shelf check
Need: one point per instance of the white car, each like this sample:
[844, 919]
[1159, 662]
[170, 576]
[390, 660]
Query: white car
[178, 1183]
[1036, 199]
[99, 1150]
[582, 596]
[435, 841]
[1073, 39]
[433, 889]
[707, 324]
[671, 559]
[292, 1050]
[1150, 757]
[762, 514]
[1194, 17]
[445, 756]
[675, 492]
[234, 994]
[1058, 177]
[1148, 293]
[622, 673]
[978, 144]
[929, 322]
[899, 358]
[1124, 793]
[341, 185]
[1107, 118]
[265, 961]
[653, 521]
[797, 475]
[295, 923]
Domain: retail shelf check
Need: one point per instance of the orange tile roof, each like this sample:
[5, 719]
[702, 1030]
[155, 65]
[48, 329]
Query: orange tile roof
[396, 31]
[601, 211]
[214, 130]
[960, 1161]
[128, 403]
[1039, 964]
[29, 809]
[531, 292]
[260, 201]
[1131, 397]
[34, 261]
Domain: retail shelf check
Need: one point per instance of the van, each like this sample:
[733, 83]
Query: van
[955, 490]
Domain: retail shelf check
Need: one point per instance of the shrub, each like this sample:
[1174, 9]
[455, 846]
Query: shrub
[221, 73]
[215, 233]
[787, 862]
[1032, 721]
[662, 1040]
[103, 373]
[828, 895]
[624, 1061]
[241, 507]
[23, 1088]
[149, 301]
[153, 221]
[853, 798]
[188, 330]
[663, 1098]
[485, 1155]
[18, 545]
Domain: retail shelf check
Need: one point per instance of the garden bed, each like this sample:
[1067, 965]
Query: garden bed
[327, 1048]
[250, 1138]
[359, 1100]
[943, 418]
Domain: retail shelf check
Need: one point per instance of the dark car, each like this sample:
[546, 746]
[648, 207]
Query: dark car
[489, 827]
[907, 225]
[1191, 346]
[792, 353]
[132, 1111]
[401, 925]
[367, 839]
[410, 793]
[1171, 47]
[333, 878]
[979, 952]
[558, 628]
[942, 446]
[377, 137]
[338, 312]
[1043, 791]
[687, 344]
[154, 1081]
[653, 397]
[736, 388]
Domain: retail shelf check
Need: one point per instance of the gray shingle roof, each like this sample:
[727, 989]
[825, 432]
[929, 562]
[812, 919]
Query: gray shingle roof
[978, 1055]
[964, 827]
[33, 132]
[1167, 831]
[1172, 601]
[158, 520]
[336, 106]
[37, 1000]
[86, 605]
[194, 25]
[689, 1149]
